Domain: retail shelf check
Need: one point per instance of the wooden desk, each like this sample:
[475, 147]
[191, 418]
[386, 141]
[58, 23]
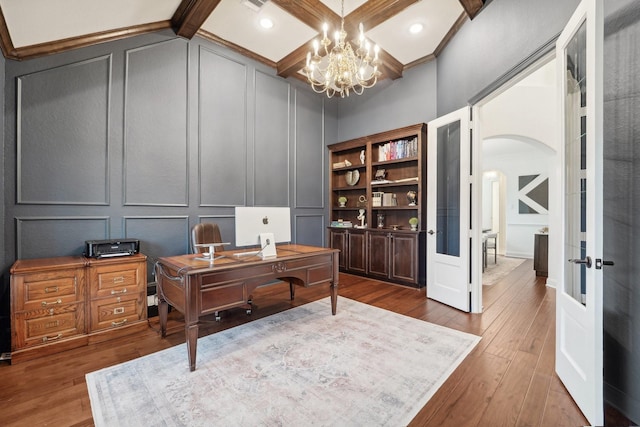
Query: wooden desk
[196, 288]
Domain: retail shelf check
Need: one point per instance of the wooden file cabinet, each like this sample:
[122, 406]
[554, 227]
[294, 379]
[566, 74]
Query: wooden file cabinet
[67, 302]
[118, 293]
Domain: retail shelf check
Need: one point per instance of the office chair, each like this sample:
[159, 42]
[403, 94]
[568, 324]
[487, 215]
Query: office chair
[205, 232]
[209, 232]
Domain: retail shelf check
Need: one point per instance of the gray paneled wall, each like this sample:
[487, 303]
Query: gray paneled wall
[156, 140]
[145, 137]
[621, 206]
[62, 121]
[501, 36]
[222, 173]
[271, 141]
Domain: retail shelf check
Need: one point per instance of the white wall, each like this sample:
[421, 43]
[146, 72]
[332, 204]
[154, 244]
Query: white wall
[517, 159]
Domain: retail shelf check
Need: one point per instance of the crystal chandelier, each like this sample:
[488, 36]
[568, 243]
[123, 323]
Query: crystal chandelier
[342, 70]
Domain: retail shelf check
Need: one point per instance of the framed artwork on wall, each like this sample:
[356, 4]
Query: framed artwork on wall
[533, 194]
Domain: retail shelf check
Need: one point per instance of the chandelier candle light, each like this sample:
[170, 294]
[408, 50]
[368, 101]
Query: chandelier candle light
[342, 70]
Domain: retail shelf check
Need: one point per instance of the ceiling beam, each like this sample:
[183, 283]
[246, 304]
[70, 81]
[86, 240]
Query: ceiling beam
[63, 45]
[314, 13]
[190, 15]
[472, 7]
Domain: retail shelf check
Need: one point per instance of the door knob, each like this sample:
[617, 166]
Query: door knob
[431, 232]
[600, 263]
[586, 261]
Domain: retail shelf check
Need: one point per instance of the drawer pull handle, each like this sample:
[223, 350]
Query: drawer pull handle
[57, 337]
[118, 279]
[124, 291]
[58, 301]
[118, 310]
[49, 290]
[114, 324]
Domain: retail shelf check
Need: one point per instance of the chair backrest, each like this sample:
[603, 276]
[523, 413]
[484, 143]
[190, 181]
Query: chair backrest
[205, 232]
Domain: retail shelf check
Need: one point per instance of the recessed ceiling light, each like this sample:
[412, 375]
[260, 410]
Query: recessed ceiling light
[416, 28]
[266, 23]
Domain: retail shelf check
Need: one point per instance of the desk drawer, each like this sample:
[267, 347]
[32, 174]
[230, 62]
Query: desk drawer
[221, 297]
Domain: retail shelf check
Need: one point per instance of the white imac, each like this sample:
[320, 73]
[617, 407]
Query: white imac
[262, 226]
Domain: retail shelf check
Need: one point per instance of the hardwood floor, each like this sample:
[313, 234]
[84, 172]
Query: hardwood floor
[507, 380]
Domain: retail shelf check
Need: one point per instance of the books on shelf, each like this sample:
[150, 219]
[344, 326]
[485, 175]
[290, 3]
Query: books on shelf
[400, 149]
[376, 198]
[341, 223]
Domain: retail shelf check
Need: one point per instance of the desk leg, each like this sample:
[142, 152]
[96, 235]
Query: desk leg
[191, 332]
[334, 284]
[163, 310]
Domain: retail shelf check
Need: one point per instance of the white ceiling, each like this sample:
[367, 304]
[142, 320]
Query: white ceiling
[32, 23]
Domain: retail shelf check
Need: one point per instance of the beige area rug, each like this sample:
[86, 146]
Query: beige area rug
[363, 367]
[498, 271]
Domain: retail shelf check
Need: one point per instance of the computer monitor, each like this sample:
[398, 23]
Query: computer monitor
[251, 221]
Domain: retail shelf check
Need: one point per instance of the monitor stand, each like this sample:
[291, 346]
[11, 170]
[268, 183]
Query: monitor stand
[268, 245]
[209, 256]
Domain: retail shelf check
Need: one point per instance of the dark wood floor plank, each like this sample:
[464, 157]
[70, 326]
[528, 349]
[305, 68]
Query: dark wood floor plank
[506, 403]
[467, 401]
[508, 379]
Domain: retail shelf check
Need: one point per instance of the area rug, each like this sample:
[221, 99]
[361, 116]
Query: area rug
[303, 367]
[494, 272]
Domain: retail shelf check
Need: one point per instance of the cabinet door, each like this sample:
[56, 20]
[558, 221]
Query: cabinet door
[378, 254]
[356, 261]
[338, 240]
[404, 261]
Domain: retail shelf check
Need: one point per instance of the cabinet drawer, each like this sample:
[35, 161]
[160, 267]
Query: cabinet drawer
[116, 312]
[114, 280]
[46, 290]
[48, 326]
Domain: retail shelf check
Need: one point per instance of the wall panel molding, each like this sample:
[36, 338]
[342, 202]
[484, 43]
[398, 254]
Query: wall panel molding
[41, 236]
[310, 151]
[222, 111]
[156, 125]
[272, 171]
[305, 228]
[62, 132]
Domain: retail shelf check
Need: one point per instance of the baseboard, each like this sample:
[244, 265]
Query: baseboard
[625, 404]
[518, 255]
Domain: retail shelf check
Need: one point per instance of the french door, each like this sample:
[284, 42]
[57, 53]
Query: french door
[579, 305]
[448, 209]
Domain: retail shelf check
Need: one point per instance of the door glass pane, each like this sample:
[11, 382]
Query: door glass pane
[576, 165]
[448, 190]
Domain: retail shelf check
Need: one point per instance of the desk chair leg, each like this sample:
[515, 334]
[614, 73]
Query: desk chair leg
[292, 290]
